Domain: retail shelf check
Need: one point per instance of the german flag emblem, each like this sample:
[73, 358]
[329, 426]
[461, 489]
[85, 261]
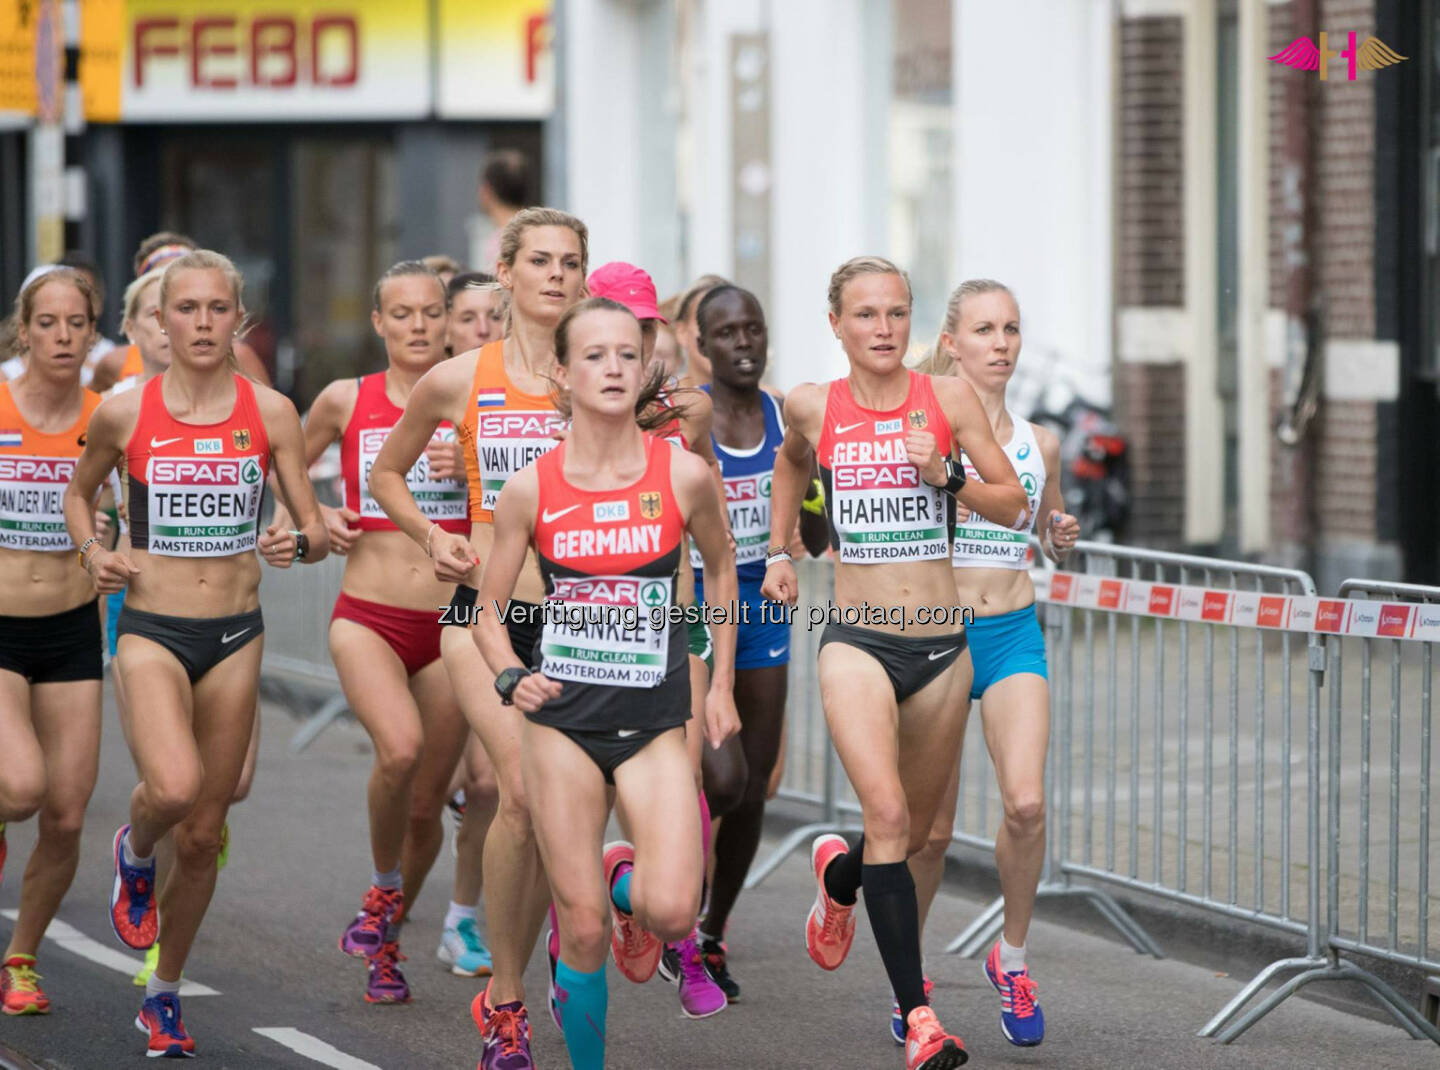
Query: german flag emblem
[917, 419]
[241, 438]
[650, 505]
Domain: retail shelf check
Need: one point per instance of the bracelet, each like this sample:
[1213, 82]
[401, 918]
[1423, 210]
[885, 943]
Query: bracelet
[777, 555]
[430, 535]
[93, 540]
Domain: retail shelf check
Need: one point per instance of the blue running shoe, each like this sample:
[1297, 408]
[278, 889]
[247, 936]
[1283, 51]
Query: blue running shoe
[897, 1021]
[133, 914]
[463, 951]
[1020, 1018]
[159, 1019]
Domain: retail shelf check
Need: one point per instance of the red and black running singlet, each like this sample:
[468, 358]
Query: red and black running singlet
[878, 507]
[671, 431]
[609, 560]
[195, 488]
[373, 418]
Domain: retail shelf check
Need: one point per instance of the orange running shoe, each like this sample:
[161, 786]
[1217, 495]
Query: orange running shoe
[928, 1046]
[20, 991]
[830, 928]
[637, 952]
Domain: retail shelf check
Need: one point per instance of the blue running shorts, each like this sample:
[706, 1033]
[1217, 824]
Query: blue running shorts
[1004, 646]
[765, 640]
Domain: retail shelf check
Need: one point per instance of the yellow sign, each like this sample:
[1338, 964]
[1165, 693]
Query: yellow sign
[17, 56]
[102, 40]
[495, 60]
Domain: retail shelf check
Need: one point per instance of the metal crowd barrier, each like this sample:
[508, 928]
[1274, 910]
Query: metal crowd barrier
[297, 603]
[1180, 705]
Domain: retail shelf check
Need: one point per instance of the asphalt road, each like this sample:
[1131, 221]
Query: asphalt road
[299, 867]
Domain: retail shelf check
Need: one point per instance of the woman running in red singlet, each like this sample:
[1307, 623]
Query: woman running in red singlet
[384, 635]
[197, 443]
[499, 400]
[605, 513]
[50, 645]
[891, 664]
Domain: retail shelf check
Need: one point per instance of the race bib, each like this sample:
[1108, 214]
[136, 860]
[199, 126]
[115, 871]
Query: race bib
[32, 489]
[597, 631]
[438, 499]
[882, 510]
[203, 508]
[747, 499]
[508, 440]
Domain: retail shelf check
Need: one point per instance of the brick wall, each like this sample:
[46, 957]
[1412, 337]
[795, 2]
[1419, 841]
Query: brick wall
[1151, 268]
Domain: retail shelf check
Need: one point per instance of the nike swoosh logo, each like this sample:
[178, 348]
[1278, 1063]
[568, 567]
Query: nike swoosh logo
[549, 517]
[935, 655]
[626, 733]
[839, 430]
[227, 637]
[776, 653]
[156, 443]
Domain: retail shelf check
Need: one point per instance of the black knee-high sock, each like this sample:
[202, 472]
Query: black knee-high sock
[842, 876]
[895, 920]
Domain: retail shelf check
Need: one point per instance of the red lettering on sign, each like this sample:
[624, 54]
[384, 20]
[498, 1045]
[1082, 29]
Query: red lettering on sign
[1393, 621]
[348, 31]
[535, 43]
[273, 37]
[1329, 616]
[1110, 594]
[201, 49]
[1162, 600]
[145, 29]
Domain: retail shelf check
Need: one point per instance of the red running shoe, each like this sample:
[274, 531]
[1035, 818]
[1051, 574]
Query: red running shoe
[830, 928]
[159, 1017]
[637, 952]
[928, 1046]
[133, 913]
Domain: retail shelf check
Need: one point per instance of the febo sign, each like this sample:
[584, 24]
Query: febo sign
[258, 60]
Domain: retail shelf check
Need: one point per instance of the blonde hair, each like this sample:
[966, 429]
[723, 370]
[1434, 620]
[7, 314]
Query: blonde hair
[25, 302]
[210, 260]
[439, 262]
[131, 303]
[526, 218]
[937, 361]
[857, 266]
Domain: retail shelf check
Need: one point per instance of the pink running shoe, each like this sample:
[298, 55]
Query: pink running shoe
[683, 964]
[636, 952]
[830, 928]
[386, 983]
[366, 934]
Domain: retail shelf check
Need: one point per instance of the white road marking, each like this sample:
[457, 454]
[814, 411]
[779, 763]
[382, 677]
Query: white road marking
[314, 1048]
[77, 943]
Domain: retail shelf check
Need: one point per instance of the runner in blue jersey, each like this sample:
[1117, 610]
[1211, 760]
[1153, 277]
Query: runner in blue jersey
[747, 431]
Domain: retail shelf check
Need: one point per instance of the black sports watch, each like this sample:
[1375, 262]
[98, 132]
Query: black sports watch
[506, 681]
[302, 545]
[954, 476]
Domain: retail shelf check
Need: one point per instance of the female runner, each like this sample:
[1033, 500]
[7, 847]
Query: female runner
[384, 635]
[605, 513]
[197, 443]
[719, 772]
[477, 304]
[980, 344]
[749, 427]
[498, 399]
[891, 688]
[50, 645]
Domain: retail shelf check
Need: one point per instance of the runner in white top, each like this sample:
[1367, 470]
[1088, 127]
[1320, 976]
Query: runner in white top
[980, 343]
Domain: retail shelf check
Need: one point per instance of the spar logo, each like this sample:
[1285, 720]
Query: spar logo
[606, 590]
[174, 470]
[654, 594]
[747, 488]
[519, 424]
[36, 469]
[1394, 620]
[876, 477]
[1027, 481]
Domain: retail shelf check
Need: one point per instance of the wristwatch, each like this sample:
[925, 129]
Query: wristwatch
[302, 545]
[506, 681]
[954, 475]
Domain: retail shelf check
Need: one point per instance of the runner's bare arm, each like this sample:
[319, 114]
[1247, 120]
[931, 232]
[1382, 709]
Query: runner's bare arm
[704, 518]
[250, 364]
[1059, 530]
[107, 370]
[324, 423]
[999, 498]
[804, 412]
[105, 437]
[514, 528]
[432, 401]
[287, 454]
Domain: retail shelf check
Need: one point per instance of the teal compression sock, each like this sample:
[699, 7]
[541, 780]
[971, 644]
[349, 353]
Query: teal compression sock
[583, 1001]
[620, 890]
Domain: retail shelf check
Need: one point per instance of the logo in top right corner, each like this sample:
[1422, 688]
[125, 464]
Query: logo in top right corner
[1373, 54]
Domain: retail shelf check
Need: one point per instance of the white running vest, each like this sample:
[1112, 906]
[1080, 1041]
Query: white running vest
[979, 543]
